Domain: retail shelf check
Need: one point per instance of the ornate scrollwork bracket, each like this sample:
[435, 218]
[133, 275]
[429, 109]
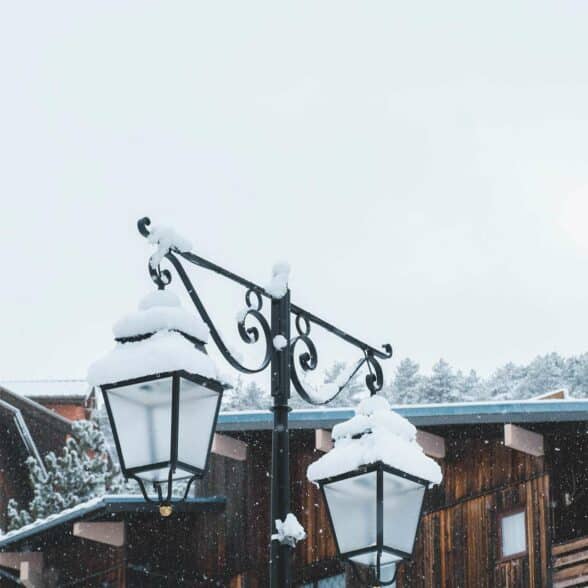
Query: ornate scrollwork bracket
[307, 359]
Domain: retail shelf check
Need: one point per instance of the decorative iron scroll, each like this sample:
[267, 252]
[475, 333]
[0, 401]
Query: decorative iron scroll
[308, 361]
[254, 295]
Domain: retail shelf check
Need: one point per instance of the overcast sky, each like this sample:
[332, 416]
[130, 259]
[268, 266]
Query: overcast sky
[421, 165]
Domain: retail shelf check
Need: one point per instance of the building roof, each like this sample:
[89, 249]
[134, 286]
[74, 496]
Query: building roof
[105, 505]
[67, 389]
[471, 413]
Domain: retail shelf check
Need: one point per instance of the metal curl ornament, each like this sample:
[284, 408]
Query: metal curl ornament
[248, 335]
[161, 278]
[374, 380]
[308, 361]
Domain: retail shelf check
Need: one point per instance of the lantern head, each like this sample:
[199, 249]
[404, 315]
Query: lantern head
[374, 482]
[162, 393]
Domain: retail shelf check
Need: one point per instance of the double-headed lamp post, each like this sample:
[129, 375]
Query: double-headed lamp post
[162, 395]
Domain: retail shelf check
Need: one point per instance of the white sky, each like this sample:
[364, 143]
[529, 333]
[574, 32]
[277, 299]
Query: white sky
[422, 165]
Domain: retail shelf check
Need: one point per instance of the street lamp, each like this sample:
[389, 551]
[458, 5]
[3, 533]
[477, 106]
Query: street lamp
[162, 395]
[163, 409]
[373, 482]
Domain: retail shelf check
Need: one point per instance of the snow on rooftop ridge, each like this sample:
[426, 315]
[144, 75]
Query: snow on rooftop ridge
[375, 434]
[165, 351]
[278, 285]
[161, 310]
[167, 239]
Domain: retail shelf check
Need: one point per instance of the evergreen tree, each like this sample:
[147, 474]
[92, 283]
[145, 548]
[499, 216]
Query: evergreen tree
[470, 387]
[505, 381]
[82, 471]
[406, 387]
[441, 386]
[576, 375]
[545, 373]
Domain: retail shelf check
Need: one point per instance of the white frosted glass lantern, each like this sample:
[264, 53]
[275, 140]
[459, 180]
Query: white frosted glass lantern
[374, 511]
[161, 392]
[374, 482]
[163, 424]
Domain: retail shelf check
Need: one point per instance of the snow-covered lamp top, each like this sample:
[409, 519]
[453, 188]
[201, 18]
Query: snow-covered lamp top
[155, 339]
[375, 434]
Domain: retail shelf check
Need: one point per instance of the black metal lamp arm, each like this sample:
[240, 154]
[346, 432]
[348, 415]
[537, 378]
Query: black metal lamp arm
[308, 360]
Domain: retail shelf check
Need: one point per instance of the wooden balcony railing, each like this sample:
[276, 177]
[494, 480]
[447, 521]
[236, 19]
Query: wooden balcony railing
[570, 563]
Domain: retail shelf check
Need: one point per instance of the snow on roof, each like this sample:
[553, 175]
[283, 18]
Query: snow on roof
[116, 503]
[48, 388]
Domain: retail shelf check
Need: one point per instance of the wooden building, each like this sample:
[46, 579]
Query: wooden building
[512, 510]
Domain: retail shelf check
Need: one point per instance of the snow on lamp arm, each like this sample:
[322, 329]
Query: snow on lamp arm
[373, 482]
[152, 405]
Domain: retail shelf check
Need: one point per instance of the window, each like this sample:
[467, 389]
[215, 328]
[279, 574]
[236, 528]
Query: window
[331, 582]
[513, 533]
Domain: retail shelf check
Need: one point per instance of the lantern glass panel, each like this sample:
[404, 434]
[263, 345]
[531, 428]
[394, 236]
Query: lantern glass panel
[352, 504]
[142, 417]
[197, 414]
[402, 510]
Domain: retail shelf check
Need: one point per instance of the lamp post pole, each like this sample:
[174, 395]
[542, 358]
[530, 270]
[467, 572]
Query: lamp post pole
[280, 554]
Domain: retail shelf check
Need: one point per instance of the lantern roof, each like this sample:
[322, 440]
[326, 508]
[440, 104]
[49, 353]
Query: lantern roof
[160, 310]
[152, 341]
[375, 434]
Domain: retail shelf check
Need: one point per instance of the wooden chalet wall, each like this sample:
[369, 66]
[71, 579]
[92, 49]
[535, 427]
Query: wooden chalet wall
[458, 543]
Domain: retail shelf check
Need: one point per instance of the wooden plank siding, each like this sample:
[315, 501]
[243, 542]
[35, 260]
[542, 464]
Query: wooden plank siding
[458, 546]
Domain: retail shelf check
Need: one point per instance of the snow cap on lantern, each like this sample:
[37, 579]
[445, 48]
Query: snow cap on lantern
[374, 482]
[375, 433]
[161, 390]
[161, 336]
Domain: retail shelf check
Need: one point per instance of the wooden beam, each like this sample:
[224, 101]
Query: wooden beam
[108, 533]
[15, 558]
[31, 574]
[29, 565]
[568, 546]
[229, 447]
[323, 440]
[432, 445]
[573, 572]
[578, 581]
[522, 440]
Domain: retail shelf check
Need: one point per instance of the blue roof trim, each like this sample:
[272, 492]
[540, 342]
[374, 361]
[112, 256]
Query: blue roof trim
[530, 411]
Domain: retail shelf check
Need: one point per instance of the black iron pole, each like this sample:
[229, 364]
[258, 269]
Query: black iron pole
[280, 555]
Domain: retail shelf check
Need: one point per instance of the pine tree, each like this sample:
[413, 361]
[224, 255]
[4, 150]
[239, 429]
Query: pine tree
[506, 381]
[406, 387]
[82, 471]
[470, 387]
[545, 373]
[441, 386]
